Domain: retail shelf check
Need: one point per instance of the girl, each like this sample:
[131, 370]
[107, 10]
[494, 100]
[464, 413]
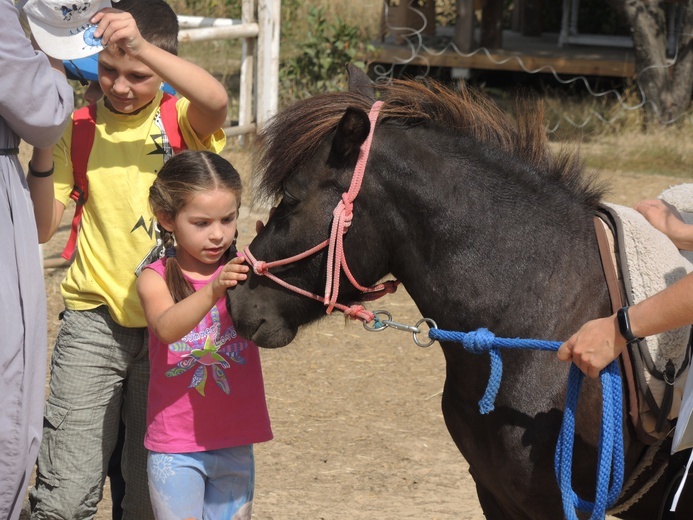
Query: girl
[206, 402]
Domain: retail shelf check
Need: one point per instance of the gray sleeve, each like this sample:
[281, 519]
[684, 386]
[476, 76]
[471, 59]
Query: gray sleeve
[35, 100]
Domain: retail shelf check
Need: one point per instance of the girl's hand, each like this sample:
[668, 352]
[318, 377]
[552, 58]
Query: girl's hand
[233, 272]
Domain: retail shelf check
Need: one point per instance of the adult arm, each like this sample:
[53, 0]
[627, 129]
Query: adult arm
[599, 342]
[35, 98]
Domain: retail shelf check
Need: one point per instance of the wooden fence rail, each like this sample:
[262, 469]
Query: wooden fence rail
[258, 29]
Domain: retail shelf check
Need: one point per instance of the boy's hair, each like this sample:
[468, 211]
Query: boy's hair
[156, 21]
[182, 177]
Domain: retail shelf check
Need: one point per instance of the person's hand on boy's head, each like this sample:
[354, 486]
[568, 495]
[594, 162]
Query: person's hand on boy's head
[63, 29]
[118, 28]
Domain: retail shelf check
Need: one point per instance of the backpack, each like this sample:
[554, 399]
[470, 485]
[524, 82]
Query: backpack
[83, 129]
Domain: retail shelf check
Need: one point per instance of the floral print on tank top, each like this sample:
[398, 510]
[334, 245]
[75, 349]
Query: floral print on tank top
[208, 349]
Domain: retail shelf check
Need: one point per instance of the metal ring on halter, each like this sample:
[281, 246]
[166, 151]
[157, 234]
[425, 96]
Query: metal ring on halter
[431, 325]
[378, 324]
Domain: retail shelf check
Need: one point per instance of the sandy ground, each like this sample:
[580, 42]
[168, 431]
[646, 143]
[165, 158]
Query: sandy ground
[356, 415]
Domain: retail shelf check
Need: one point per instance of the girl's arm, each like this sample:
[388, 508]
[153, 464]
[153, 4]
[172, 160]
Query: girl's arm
[171, 321]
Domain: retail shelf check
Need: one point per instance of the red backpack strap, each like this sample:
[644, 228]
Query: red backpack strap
[83, 130]
[169, 118]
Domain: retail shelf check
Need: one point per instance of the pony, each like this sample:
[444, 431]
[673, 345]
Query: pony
[484, 226]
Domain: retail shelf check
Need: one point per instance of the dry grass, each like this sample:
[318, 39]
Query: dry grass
[667, 152]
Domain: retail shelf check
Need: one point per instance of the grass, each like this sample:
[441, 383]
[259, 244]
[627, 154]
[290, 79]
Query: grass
[657, 153]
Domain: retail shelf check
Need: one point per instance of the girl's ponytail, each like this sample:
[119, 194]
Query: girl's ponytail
[177, 283]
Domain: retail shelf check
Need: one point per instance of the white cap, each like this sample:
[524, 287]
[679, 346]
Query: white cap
[62, 27]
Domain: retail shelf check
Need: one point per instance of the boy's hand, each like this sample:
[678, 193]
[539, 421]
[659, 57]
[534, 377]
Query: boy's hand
[233, 272]
[120, 29]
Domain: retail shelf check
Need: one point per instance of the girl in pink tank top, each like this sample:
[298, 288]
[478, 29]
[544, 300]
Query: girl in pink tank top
[206, 402]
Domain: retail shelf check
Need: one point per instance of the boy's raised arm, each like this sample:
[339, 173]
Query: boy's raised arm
[208, 98]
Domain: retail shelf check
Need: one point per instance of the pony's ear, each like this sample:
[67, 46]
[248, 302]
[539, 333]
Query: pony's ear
[359, 82]
[352, 131]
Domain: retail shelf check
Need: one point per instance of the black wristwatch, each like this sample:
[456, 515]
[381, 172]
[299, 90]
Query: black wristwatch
[624, 325]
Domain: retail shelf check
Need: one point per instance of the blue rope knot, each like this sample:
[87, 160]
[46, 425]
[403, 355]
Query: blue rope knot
[611, 461]
[479, 341]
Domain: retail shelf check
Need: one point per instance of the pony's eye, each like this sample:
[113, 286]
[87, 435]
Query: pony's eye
[289, 199]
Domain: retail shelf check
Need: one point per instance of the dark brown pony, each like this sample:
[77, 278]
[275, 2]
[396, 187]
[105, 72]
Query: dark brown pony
[485, 228]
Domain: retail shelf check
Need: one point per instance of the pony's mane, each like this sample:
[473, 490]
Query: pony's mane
[294, 135]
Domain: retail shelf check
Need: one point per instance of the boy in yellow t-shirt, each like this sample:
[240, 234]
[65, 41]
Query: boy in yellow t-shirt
[100, 364]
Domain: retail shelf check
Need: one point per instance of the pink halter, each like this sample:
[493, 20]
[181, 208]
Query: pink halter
[336, 261]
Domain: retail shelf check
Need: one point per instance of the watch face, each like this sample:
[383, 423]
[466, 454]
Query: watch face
[624, 325]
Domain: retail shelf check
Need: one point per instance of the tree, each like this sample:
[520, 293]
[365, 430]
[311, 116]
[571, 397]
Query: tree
[665, 83]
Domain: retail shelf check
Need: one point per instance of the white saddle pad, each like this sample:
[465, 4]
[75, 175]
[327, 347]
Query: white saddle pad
[654, 263]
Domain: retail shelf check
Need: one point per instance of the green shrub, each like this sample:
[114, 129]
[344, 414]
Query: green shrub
[320, 64]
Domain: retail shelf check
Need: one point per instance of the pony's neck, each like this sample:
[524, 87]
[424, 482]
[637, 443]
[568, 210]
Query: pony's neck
[487, 239]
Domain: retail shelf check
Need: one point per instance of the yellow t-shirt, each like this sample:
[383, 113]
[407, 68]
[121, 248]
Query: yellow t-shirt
[117, 225]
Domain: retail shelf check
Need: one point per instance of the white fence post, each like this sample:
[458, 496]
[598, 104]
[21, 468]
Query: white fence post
[259, 82]
[267, 86]
[246, 105]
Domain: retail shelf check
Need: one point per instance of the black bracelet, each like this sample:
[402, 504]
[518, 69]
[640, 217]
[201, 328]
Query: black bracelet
[624, 326]
[40, 175]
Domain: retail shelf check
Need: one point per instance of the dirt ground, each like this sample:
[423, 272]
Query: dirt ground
[356, 415]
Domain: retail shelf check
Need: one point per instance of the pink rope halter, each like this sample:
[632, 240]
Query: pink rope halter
[336, 261]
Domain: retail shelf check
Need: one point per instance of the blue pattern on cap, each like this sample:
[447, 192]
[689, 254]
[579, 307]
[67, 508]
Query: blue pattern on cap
[89, 37]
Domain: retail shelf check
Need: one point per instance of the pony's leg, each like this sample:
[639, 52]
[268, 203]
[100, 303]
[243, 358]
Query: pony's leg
[490, 505]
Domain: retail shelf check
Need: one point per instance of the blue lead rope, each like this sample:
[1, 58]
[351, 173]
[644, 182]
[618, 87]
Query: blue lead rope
[610, 452]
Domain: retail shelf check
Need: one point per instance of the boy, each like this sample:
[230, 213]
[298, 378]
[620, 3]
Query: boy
[100, 368]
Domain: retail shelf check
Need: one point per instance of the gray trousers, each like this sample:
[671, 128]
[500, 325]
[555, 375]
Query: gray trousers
[99, 370]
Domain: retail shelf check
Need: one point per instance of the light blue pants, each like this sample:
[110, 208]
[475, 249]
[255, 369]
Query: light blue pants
[209, 485]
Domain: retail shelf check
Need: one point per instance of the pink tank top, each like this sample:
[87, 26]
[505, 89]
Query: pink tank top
[206, 390]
